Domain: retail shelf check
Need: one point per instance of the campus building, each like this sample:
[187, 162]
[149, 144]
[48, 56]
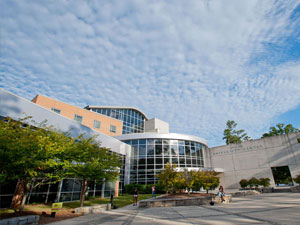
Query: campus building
[133, 119]
[276, 158]
[17, 107]
[146, 146]
[99, 122]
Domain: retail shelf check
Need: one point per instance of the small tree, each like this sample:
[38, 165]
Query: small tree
[243, 183]
[265, 182]
[297, 179]
[179, 182]
[253, 182]
[31, 155]
[210, 180]
[167, 177]
[92, 162]
[188, 179]
[198, 181]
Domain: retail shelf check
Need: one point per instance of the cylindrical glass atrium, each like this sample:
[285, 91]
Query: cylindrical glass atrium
[152, 151]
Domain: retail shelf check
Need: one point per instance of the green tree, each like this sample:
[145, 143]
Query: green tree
[92, 163]
[167, 178]
[209, 179]
[231, 135]
[198, 181]
[31, 155]
[279, 129]
[297, 179]
[253, 182]
[188, 178]
[243, 183]
[265, 182]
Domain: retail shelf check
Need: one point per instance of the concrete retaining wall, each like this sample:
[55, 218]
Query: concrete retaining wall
[93, 209]
[295, 189]
[151, 203]
[22, 220]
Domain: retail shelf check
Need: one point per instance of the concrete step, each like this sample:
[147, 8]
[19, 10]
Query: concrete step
[281, 190]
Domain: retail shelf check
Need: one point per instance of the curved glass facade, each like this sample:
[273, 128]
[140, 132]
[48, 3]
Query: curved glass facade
[133, 121]
[149, 157]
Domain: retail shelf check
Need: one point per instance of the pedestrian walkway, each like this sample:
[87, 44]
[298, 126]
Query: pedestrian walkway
[272, 208]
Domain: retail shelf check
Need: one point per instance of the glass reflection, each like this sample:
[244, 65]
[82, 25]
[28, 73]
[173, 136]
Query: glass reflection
[151, 155]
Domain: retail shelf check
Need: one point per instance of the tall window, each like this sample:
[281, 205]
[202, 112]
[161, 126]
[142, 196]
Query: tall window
[113, 129]
[78, 118]
[97, 124]
[55, 110]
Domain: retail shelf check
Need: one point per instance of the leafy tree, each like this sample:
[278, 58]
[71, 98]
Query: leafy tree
[188, 179]
[297, 179]
[167, 177]
[234, 136]
[279, 129]
[243, 183]
[179, 182]
[92, 163]
[209, 179]
[198, 181]
[264, 182]
[253, 182]
[31, 155]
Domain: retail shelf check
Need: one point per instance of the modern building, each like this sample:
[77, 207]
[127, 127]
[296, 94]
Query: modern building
[262, 158]
[16, 107]
[152, 151]
[133, 119]
[99, 122]
[146, 146]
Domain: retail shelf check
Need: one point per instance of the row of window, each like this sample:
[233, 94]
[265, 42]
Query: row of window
[133, 121]
[120, 113]
[96, 124]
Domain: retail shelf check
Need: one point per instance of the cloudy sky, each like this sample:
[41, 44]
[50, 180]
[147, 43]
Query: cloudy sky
[194, 63]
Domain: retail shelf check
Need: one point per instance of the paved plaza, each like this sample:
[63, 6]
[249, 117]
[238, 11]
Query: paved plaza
[273, 208]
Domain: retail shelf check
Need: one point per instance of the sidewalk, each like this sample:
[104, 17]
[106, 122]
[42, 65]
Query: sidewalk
[271, 208]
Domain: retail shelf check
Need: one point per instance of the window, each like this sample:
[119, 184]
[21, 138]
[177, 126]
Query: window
[113, 129]
[97, 124]
[298, 139]
[55, 110]
[78, 118]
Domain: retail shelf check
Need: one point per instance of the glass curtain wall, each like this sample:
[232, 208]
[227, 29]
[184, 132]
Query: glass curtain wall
[69, 191]
[133, 121]
[149, 157]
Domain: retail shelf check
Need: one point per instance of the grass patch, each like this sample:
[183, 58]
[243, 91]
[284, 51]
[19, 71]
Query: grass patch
[121, 201]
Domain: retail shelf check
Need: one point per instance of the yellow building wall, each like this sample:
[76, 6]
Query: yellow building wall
[88, 117]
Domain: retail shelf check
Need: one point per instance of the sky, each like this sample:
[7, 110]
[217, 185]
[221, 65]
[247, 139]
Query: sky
[194, 64]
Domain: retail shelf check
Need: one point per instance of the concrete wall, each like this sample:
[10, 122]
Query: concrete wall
[255, 158]
[88, 117]
[17, 107]
[156, 125]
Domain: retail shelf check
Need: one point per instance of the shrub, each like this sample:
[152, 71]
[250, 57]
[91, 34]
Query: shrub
[129, 188]
[264, 182]
[244, 183]
[253, 182]
[297, 179]
[143, 189]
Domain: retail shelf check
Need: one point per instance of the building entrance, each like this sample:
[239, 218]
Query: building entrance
[282, 176]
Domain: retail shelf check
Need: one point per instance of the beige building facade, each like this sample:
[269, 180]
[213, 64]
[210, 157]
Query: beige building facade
[256, 158]
[95, 121]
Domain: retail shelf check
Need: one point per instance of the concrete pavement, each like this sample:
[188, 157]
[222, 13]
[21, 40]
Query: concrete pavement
[272, 208]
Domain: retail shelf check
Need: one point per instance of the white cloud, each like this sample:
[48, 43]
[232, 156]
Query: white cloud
[194, 64]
